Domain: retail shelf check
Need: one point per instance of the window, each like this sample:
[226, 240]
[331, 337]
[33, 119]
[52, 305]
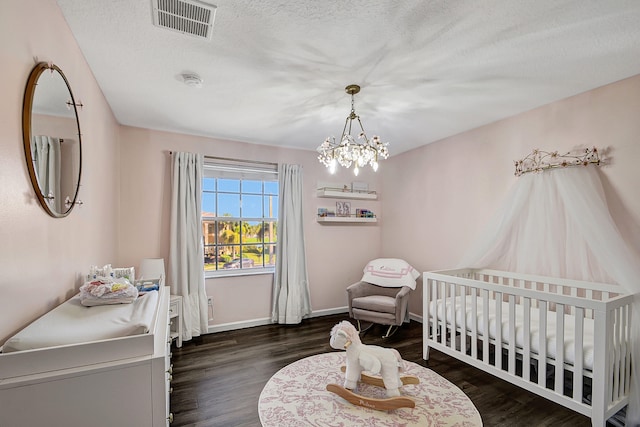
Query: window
[239, 217]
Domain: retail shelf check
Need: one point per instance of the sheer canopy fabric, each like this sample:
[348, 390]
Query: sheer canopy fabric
[557, 223]
[186, 254]
[291, 301]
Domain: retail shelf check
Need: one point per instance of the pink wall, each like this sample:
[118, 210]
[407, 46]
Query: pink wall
[42, 258]
[433, 200]
[336, 253]
[450, 189]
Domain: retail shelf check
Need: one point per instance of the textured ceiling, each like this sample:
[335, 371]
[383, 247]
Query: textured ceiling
[274, 71]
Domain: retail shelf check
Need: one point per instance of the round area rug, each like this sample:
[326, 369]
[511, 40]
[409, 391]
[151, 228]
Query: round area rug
[296, 396]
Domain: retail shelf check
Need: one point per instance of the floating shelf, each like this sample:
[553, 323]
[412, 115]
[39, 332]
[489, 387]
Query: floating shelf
[337, 193]
[344, 219]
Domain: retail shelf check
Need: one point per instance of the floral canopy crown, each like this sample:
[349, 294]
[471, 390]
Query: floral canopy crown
[538, 160]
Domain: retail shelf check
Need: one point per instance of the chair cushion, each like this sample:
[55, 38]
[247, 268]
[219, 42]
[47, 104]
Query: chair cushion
[374, 317]
[379, 303]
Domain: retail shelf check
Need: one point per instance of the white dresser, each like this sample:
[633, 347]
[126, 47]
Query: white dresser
[115, 382]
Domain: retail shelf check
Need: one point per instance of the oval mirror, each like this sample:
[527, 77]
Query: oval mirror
[52, 142]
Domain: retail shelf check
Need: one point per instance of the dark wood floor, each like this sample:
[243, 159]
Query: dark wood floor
[217, 378]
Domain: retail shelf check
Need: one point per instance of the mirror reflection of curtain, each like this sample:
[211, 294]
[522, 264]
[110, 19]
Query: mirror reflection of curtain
[46, 158]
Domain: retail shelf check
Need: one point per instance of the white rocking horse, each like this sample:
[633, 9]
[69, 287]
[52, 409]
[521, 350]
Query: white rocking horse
[376, 360]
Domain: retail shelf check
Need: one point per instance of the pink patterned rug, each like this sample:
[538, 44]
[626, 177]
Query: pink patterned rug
[296, 396]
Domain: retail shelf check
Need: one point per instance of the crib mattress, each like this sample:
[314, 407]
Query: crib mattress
[550, 333]
[73, 323]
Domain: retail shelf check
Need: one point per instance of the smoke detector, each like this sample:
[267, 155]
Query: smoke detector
[191, 79]
[190, 17]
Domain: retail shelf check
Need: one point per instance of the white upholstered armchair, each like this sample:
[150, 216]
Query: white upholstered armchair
[382, 296]
[377, 304]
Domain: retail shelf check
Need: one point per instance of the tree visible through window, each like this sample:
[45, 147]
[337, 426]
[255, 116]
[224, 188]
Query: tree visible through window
[239, 218]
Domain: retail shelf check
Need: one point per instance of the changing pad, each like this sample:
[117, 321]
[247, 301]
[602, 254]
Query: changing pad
[73, 323]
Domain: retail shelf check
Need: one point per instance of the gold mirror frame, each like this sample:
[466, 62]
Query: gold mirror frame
[64, 204]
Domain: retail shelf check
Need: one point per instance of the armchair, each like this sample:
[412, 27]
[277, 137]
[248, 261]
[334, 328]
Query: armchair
[382, 295]
[378, 304]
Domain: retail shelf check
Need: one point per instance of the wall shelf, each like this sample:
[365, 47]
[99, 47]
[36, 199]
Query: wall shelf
[344, 219]
[337, 193]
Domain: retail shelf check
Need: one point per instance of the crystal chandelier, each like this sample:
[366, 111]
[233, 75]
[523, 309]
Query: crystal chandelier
[349, 151]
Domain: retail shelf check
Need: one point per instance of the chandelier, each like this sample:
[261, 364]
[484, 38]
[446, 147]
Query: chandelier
[349, 151]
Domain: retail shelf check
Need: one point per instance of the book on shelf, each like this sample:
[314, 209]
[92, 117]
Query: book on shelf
[364, 213]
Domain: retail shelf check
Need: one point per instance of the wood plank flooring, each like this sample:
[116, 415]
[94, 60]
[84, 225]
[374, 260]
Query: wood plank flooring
[217, 378]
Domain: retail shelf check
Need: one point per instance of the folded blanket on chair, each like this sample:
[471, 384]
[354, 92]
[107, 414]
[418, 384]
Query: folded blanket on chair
[390, 273]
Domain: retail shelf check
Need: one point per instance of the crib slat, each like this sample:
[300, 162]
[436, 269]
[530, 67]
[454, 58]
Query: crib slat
[443, 319]
[474, 323]
[627, 335]
[498, 340]
[526, 329]
[463, 325]
[601, 383]
[452, 322]
[616, 354]
[426, 319]
[578, 351]
[434, 319]
[485, 326]
[512, 334]
[542, 336]
[559, 362]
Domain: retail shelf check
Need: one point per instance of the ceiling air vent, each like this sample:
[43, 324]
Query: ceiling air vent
[185, 16]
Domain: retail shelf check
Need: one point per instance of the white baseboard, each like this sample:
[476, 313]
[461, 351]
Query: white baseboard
[330, 311]
[267, 320]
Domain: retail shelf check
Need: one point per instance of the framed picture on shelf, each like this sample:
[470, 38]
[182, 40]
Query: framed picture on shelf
[343, 208]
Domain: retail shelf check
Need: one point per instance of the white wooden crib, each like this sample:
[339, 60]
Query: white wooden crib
[565, 340]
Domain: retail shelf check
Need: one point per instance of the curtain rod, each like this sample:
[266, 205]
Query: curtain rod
[237, 160]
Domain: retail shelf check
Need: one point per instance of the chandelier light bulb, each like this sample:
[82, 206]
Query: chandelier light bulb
[349, 150]
[332, 166]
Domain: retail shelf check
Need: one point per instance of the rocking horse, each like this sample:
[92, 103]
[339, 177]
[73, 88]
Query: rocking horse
[375, 360]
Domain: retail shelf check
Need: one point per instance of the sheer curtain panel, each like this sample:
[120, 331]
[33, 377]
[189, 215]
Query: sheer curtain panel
[186, 259]
[291, 301]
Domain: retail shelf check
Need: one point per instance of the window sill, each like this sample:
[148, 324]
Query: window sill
[234, 273]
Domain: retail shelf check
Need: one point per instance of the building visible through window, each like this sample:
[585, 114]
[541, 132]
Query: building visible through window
[239, 217]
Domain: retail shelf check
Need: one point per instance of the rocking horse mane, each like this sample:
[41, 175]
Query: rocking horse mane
[349, 329]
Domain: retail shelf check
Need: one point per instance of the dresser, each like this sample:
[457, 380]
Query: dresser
[123, 381]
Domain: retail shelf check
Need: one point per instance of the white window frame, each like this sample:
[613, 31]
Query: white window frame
[235, 169]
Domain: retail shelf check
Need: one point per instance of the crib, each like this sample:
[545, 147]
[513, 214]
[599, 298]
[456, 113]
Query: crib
[565, 340]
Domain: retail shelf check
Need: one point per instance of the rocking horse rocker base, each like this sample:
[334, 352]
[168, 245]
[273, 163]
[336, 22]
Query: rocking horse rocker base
[386, 404]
